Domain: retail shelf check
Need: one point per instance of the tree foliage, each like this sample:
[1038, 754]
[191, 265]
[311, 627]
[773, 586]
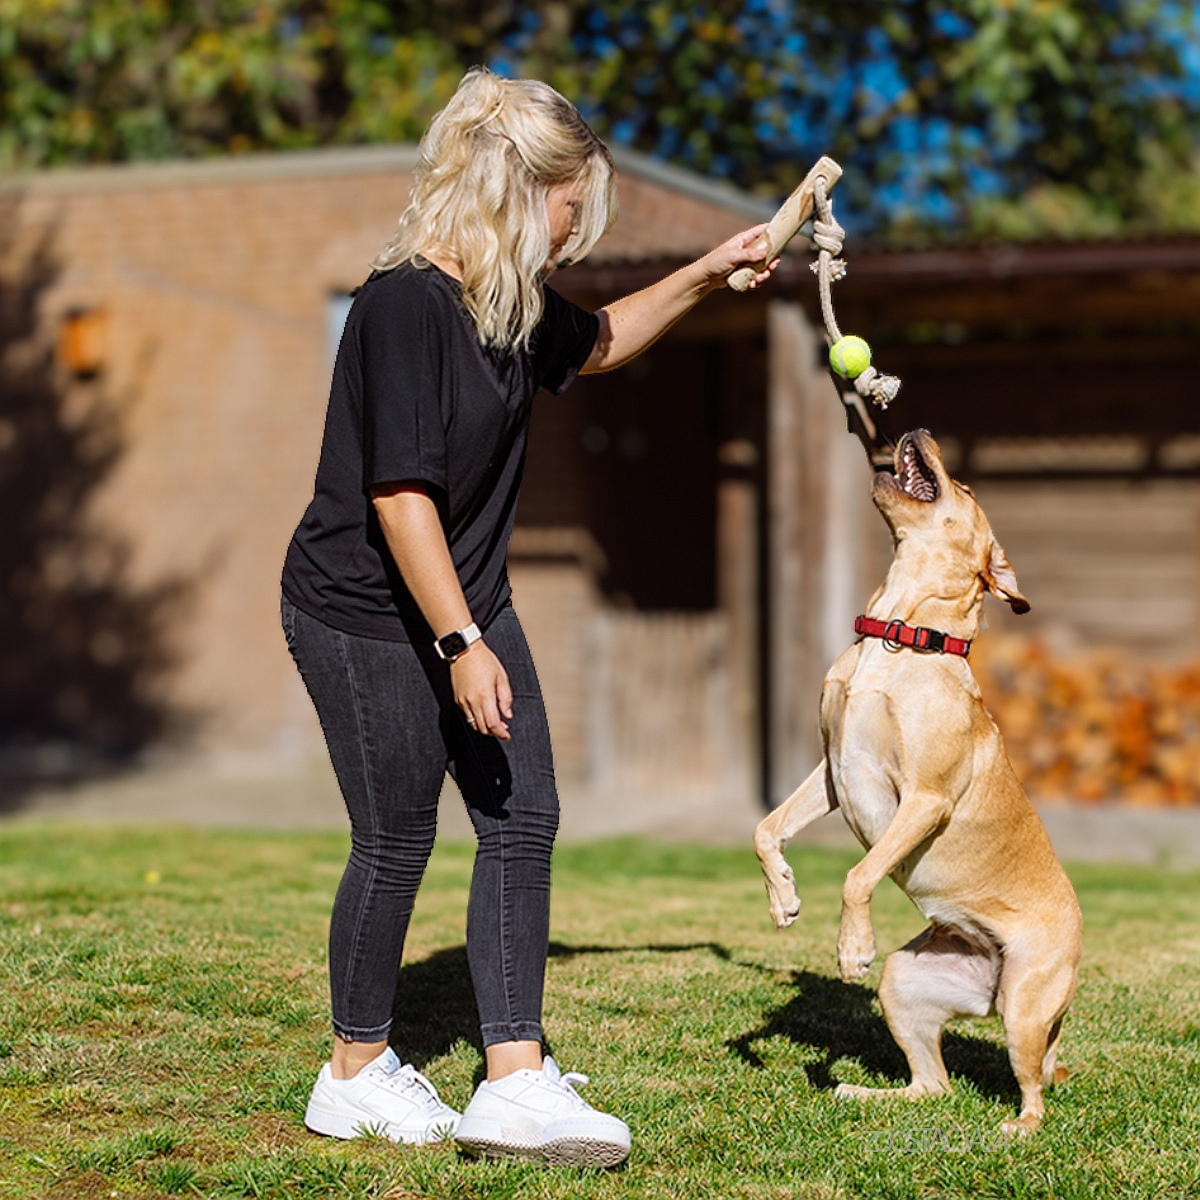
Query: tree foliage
[937, 108]
[106, 80]
[947, 114]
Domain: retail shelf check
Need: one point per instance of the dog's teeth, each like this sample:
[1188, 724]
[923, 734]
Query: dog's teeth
[913, 476]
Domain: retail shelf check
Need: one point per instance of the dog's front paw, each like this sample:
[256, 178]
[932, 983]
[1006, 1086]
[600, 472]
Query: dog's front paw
[784, 908]
[781, 891]
[856, 953]
[854, 968]
[785, 904]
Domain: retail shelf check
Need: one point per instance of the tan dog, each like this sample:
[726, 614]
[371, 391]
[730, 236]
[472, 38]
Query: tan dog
[917, 765]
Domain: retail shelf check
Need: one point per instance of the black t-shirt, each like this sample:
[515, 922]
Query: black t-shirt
[416, 397]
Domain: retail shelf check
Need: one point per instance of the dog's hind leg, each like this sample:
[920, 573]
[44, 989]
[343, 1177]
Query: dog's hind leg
[812, 799]
[939, 975]
[1034, 994]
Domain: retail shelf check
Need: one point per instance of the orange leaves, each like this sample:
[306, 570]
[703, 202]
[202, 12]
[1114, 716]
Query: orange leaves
[1100, 727]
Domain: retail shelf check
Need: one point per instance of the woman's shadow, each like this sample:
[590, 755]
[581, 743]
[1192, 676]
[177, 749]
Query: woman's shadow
[434, 1008]
[435, 1004]
[839, 1021]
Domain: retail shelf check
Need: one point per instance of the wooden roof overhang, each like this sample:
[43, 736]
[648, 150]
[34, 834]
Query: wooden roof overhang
[1094, 346]
[1090, 350]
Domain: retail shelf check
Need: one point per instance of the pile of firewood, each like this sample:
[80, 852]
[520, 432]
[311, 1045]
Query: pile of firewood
[1094, 728]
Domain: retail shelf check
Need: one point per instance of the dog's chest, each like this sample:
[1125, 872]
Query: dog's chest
[862, 759]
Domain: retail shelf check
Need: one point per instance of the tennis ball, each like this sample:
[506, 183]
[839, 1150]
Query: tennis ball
[850, 356]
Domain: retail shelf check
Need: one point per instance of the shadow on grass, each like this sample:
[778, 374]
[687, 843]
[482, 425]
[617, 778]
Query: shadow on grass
[435, 1007]
[838, 1019]
[559, 950]
[435, 1002]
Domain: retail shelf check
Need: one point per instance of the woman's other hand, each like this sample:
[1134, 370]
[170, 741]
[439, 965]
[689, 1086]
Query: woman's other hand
[482, 691]
[410, 522]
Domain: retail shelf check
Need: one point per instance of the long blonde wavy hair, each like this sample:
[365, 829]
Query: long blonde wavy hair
[485, 165]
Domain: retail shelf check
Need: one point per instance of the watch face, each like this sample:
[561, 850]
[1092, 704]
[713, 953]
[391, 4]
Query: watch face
[453, 644]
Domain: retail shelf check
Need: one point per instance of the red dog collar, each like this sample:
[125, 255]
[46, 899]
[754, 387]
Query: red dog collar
[896, 634]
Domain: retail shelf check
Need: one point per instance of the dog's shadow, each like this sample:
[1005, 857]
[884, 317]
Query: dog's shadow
[435, 1010]
[839, 1021]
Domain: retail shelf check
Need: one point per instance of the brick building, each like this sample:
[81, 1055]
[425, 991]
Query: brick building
[184, 317]
[694, 534]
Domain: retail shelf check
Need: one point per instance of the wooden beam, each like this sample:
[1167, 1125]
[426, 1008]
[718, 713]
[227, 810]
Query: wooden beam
[805, 417]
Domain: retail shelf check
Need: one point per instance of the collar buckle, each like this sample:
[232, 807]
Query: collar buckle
[929, 639]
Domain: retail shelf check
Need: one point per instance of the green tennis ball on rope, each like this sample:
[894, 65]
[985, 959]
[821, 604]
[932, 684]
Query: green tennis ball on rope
[850, 356]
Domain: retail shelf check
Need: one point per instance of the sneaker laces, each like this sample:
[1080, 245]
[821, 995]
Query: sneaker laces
[566, 1084]
[406, 1080]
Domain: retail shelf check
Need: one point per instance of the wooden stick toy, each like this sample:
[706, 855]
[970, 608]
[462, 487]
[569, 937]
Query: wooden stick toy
[785, 224]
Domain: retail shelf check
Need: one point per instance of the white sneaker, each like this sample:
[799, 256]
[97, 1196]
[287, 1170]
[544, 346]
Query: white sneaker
[540, 1115]
[384, 1098]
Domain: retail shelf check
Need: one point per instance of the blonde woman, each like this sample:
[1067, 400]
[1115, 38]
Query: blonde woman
[396, 599]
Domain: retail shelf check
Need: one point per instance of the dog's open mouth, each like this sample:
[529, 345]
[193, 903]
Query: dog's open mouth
[915, 476]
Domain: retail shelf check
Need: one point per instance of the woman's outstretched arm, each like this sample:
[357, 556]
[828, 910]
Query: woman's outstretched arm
[628, 326]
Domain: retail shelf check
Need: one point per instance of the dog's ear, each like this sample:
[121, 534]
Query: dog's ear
[1001, 580]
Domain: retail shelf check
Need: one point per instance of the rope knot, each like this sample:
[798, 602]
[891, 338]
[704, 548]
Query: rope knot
[881, 389]
[828, 234]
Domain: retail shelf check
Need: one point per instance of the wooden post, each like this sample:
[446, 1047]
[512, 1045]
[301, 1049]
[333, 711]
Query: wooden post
[818, 505]
[738, 599]
[855, 541]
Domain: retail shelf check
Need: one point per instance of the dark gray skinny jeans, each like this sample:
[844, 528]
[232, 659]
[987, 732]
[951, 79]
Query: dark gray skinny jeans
[393, 730]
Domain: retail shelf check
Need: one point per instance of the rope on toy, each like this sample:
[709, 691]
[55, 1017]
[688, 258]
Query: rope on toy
[849, 356]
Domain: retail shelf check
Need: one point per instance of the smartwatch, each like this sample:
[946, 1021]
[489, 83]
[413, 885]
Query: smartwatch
[454, 644]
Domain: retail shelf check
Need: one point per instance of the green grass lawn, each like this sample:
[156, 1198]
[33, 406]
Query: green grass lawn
[163, 1015]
